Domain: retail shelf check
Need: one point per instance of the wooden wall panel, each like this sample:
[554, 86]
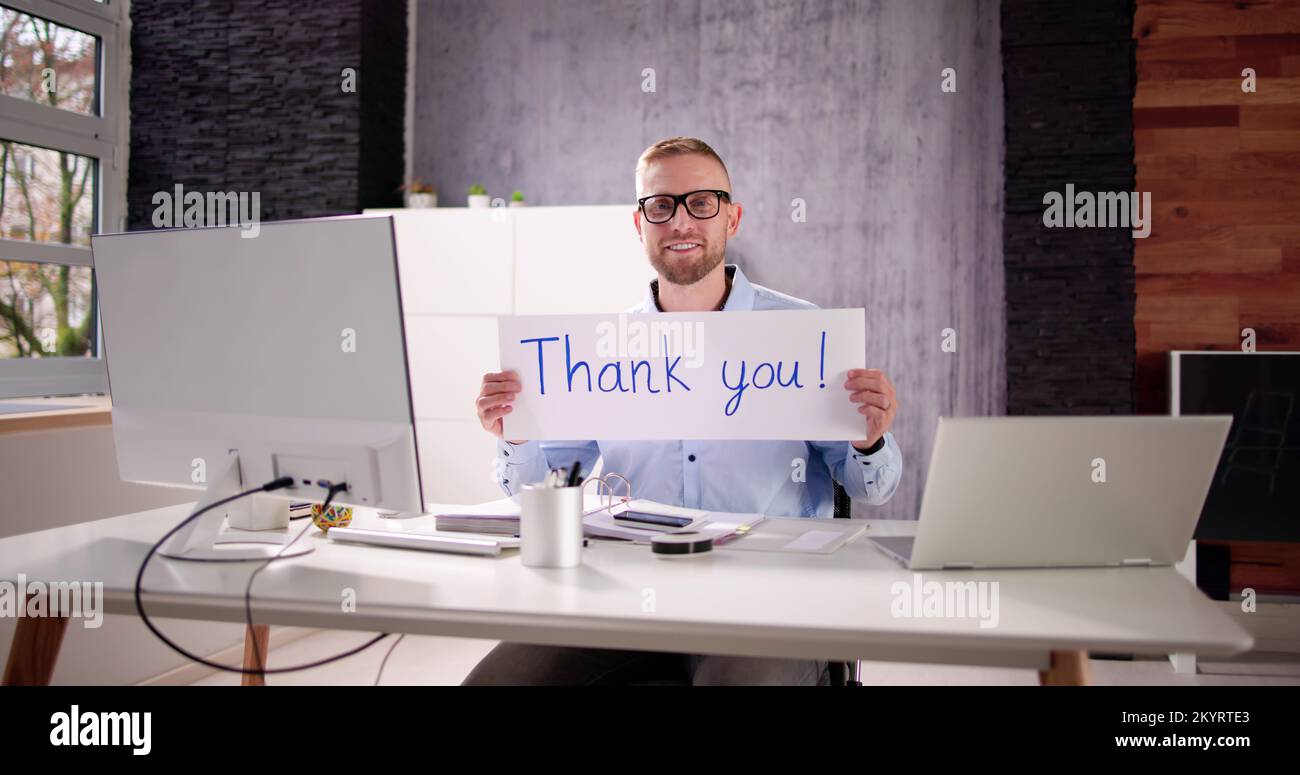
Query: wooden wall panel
[1223, 169]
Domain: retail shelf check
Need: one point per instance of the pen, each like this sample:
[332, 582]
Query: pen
[574, 478]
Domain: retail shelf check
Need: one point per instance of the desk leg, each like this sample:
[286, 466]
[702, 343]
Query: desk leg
[34, 650]
[1068, 668]
[260, 634]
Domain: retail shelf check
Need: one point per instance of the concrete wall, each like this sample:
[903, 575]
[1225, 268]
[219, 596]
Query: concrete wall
[835, 103]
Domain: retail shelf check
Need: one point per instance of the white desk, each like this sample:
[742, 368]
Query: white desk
[836, 606]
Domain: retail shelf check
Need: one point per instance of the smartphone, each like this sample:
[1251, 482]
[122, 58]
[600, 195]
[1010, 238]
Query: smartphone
[658, 520]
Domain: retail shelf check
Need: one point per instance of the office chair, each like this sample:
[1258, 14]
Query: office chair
[844, 673]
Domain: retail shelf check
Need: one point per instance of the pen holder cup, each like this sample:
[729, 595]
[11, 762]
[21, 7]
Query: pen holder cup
[550, 526]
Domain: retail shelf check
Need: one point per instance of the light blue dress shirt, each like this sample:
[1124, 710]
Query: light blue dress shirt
[777, 478]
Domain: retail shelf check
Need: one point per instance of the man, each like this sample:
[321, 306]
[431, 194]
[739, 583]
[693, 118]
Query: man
[684, 217]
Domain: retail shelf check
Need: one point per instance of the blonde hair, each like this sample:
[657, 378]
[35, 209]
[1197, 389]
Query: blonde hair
[678, 146]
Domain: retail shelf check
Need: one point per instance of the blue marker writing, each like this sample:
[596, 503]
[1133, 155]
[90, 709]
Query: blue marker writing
[670, 367]
[733, 403]
[541, 372]
[762, 378]
[822, 372]
[572, 368]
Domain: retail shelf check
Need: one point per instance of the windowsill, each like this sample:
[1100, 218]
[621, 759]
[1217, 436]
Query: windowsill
[63, 413]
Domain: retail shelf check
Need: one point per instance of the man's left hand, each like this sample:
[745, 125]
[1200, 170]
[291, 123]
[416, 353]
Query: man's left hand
[874, 395]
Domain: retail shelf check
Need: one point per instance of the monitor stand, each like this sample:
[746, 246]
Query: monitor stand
[205, 540]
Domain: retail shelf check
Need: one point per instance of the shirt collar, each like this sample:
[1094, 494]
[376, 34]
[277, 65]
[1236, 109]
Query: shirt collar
[740, 298]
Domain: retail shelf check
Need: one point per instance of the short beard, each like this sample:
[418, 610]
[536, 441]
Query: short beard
[678, 273]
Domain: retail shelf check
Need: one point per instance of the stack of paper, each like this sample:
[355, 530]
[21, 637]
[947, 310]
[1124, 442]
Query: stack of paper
[501, 517]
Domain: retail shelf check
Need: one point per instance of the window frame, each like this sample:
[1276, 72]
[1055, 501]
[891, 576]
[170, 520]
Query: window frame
[104, 139]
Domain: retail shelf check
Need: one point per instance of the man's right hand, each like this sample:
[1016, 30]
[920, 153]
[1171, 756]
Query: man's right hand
[495, 400]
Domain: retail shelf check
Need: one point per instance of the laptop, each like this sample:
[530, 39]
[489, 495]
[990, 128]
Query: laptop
[1048, 492]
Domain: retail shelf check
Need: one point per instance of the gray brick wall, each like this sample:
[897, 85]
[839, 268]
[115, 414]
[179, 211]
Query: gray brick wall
[1068, 78]
[235, 95]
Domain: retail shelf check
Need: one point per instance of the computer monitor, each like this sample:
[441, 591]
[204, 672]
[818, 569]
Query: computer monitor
[1257, 485]
[235, 360]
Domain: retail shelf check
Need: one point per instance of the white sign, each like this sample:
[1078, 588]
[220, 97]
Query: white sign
[685, 375]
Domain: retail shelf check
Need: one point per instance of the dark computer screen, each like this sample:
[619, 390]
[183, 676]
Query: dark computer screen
[1255, 495]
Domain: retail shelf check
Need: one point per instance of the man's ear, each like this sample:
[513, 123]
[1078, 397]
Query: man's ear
[636, 221]
[733, 220]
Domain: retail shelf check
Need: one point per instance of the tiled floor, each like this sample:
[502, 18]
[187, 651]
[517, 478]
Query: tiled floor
[434, 661]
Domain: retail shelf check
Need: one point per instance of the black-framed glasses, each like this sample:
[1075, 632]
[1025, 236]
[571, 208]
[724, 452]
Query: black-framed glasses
[702, 205]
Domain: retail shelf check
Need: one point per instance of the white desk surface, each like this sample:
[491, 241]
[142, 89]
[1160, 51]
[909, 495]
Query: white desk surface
[836, 606]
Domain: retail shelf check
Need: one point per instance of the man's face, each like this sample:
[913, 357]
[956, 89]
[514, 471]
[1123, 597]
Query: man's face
[684, 249]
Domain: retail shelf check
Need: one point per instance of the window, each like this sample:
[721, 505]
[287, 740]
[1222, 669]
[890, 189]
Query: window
[63, 87]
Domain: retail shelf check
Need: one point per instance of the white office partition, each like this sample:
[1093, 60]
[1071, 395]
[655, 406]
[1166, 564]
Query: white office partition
[462, 268]
[448, 356]
[456, 461]
[574, 260]
[454, 262]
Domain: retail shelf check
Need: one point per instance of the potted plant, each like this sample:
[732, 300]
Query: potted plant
[517, 199]
[478, 196]
[420, 194]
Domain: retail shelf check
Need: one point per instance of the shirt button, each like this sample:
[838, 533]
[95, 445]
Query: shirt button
[505, 481]
[507, 453]
[691, 458]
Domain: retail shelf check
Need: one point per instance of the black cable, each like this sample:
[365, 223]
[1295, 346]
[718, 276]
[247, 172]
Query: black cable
[391, 649]
[278, 484]
[333, 489]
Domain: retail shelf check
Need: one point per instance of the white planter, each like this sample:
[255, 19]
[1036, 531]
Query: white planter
[421, 200]
[479, 200]
[513, 203]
